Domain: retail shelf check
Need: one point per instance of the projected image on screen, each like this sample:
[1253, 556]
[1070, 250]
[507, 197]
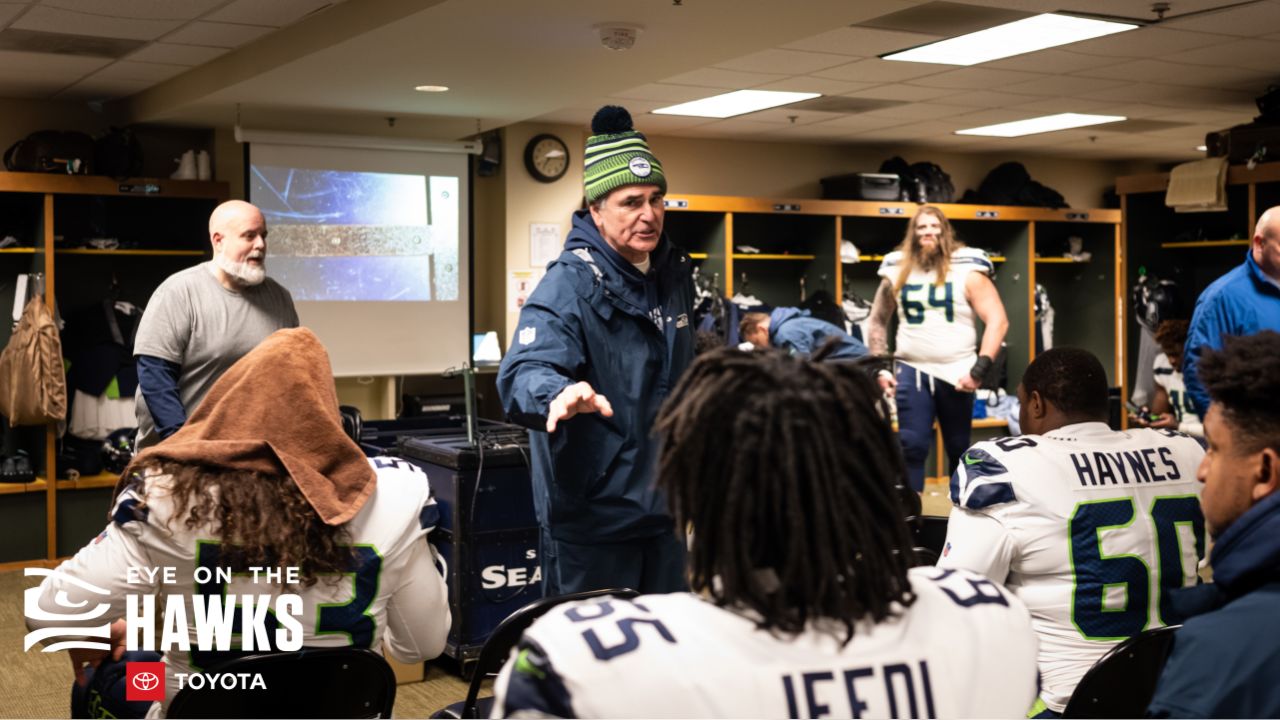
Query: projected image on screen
[336, 235]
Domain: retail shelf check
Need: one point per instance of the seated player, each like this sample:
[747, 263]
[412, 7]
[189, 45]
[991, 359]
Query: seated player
[805, 602]
[1091, 527]
[251, 481]
[797, 332]
[1224, 657]
[1170, 405]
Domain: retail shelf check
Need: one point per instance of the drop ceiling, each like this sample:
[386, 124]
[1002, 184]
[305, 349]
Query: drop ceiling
[508, 61]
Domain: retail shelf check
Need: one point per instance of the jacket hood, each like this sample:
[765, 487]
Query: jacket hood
[783, 314]
[1250, 547]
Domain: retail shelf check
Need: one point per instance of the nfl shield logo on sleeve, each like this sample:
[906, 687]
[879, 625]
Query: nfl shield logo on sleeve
[527, 335]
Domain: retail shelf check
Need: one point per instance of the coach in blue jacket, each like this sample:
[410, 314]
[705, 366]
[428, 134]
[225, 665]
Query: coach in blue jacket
[601, 341]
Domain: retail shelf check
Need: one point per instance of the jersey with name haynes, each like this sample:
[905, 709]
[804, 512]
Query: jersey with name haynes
[1093, 528]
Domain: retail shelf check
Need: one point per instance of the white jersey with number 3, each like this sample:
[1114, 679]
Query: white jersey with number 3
[965, 648]
[936, 332]
[1090, 527]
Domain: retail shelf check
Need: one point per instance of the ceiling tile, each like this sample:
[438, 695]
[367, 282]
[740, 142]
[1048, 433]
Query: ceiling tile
[1051, 106]
[1134, 110]
[10, 10]
[1160, 71]
[1250, 20]
[863, 42]
[95, 88]
[1060, 85]
[875, 70]
[212, 34]
[1052, 61]
[658, 124]
[1241, 53]
[862, 121]
[29, 87]
[783, 115]
[919, 111]
[140, 71]
[48, 19]
[1178, 96]
[726, 79]
[138, 9]
[808, 83]
[978, 78]
[1209, 117]
[905, 93]
[784, 61]
[985, 98]
[1145, 42]
[189, 55]
[41, 65]
[668, 93]
[992, 117]
[277, 13]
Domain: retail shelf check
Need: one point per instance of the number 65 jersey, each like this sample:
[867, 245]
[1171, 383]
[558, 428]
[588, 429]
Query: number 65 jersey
[964, 648]
[1090, 527]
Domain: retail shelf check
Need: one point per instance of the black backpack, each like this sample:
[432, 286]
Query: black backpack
[118, 154]
[1011, 184]
[937, 183]
[52, 151]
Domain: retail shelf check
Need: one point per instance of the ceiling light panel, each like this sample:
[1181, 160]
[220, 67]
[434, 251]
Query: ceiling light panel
[739, 102]
[1015, 38]
[1047, 123]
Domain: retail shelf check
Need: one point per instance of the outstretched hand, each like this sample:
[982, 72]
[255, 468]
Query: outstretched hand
[81, 658]
[579, 397]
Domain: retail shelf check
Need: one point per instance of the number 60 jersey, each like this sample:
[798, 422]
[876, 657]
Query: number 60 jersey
[1090, 527]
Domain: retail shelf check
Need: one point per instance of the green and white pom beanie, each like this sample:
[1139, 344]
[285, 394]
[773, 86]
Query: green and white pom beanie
[617, 155]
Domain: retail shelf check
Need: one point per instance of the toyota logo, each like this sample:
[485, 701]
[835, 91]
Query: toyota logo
[145, 681]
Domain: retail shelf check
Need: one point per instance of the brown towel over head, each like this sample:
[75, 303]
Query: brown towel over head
[276, 411]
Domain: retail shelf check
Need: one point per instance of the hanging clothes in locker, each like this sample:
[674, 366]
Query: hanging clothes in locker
[1044, 320]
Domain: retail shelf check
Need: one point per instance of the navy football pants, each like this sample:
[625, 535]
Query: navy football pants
[647, 565]
[920, 399]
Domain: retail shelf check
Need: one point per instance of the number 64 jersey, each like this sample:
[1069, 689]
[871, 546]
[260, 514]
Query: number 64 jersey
[1090, 527]
[964, 648]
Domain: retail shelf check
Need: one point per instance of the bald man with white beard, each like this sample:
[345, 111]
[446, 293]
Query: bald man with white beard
[201, 320]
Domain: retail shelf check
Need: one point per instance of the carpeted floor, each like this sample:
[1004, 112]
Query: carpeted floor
[37, 684]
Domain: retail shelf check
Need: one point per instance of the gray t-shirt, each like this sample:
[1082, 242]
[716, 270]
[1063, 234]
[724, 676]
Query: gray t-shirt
[194, 321]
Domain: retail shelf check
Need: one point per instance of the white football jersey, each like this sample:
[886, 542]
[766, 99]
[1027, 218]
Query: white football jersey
[1171, 380]
[395, 592]
[965, 648]
[1090, 527]
[936, 332]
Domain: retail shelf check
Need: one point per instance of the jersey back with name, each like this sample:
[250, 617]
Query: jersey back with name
[963, 649]
[1091, 528]
[936, 332]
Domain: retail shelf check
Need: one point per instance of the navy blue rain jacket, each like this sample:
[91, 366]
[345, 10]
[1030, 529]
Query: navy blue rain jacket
[1225, 657]
[795, 331]
[630, 336]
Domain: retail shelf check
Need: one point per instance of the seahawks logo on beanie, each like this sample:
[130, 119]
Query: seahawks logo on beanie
[618, 155]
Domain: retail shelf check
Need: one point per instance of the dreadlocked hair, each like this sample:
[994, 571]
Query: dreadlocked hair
[264, 517]
[795, 514]
[1243, 380]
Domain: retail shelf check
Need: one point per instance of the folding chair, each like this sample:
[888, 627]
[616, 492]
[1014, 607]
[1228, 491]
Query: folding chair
[1122, 682]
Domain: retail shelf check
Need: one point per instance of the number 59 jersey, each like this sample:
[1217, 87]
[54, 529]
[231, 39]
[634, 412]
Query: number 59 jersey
[964, 648]
[1091, 528]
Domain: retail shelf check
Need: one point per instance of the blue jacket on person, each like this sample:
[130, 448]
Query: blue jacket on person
[1225, 656]
[594, 317]
[1242, 302]
[795, 331]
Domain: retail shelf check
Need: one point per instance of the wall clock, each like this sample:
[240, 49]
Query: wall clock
[546, 157]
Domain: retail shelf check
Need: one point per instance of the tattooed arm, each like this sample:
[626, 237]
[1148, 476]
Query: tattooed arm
[882, 311]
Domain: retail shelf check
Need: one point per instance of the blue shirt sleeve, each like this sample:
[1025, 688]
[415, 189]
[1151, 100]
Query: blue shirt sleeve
[158, 383]
[1208, 324]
